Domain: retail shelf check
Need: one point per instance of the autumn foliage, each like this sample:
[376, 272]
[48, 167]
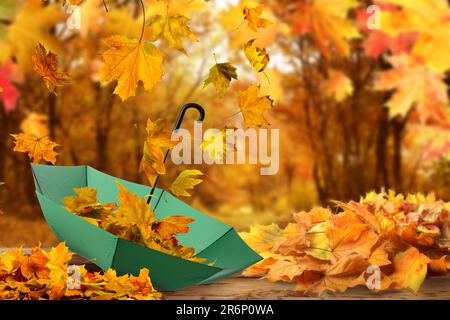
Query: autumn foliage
[404, 238]
[45, 275]
[132, 220]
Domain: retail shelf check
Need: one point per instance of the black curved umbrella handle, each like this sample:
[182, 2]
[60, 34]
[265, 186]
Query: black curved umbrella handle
[177, 126]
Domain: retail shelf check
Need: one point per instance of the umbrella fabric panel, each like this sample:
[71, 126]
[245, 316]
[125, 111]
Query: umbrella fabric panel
[230, 252]
[168, 272]
[58, 182]
[80, 236]
[203, 232]
[107, 189]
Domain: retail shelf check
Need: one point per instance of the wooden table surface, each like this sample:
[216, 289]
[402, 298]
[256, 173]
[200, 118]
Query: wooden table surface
[242, 288]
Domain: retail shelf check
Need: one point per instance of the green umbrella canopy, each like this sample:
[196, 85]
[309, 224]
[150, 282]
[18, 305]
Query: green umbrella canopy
[213, 240]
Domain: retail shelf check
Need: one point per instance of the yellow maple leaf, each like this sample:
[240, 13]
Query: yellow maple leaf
[129, 61]
[220, 75]
[253, 107]
[327, 22]
[252, 16]
[184, 182]
[173, 29]
[134, 216]
[257, 57]
[338, 85]
[44, 63]
[58, 257]
[31, 26]
[36, 148]
[152, 163]
[415, 85]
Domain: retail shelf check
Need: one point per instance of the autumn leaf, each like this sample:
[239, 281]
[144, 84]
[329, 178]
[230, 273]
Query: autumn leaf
[253, 107]
[133, 216]
[45, 65]
[338, 85]
[152, 163]
[220, 75]
[415, 86]
[185, 181]
[84, 202]
[410, 269]
[252, 16]
[129, 61]
[173, 29]
[346, 273]
[263, 238]
[257, 57]
[34, 264]
[58, 257]
[37, 148]
[31, 25]
[167, 227]
[328, 24]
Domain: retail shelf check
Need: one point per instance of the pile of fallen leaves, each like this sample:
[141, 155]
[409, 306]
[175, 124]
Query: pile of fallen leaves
[386, 241]
[47, 275]
[132, 220]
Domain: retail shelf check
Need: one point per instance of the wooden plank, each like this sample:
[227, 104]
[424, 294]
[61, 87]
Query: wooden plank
[242, 288]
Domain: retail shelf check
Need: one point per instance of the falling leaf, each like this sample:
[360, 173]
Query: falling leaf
[45, 65]
[252, 16]
[220, 75]
[32, 25]
[173, 29]
[129, 61]
[327, 22]
[152, 163]
[185, 181]
[338, 85]
[414, 85]
[253, 107]
[257, 57]
[36, 148]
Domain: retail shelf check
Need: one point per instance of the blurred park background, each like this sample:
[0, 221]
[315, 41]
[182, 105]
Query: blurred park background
[361, 101]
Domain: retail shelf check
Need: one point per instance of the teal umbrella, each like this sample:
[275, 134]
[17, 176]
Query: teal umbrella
[217, 242]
